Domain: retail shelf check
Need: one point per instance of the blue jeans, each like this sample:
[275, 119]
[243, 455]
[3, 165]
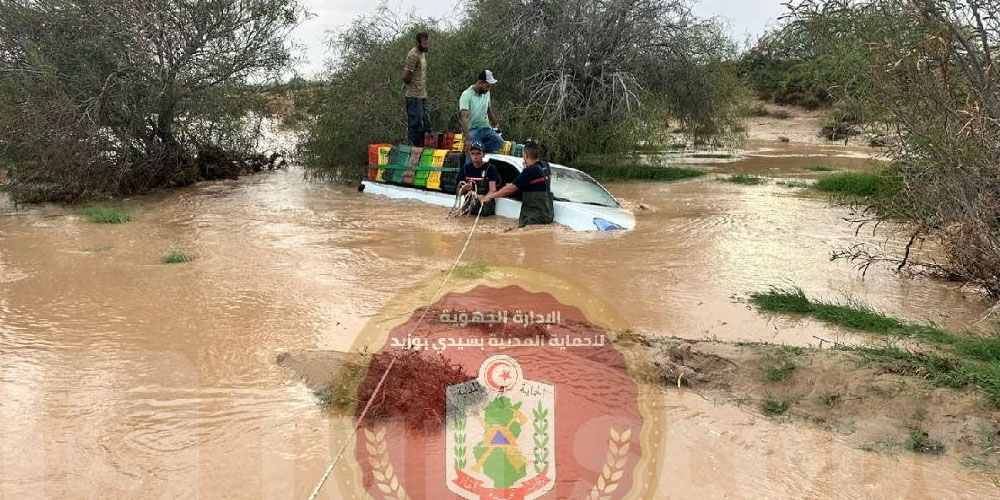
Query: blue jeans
[490, 140]
[418, 120]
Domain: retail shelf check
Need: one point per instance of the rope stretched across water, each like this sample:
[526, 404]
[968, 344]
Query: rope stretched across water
[378, 387]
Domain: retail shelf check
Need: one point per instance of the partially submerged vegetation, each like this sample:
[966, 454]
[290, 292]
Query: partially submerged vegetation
[175, 257]
[637, 172]
[746, 179]
[864, 184]
[106, 213]
[795, 184]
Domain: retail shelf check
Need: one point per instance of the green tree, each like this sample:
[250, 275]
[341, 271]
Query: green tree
[928, 79]
[105, 97]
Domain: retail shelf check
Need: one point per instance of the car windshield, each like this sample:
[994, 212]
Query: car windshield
[578, 187]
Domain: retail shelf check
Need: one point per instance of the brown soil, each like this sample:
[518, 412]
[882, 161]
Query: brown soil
[875, 411]
[795, 126]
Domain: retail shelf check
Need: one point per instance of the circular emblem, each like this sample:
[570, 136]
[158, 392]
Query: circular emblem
[501, 373]
[501, 390]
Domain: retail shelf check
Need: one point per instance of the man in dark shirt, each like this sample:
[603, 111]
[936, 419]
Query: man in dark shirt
[481, 177]
[534, 184]
[478, 173]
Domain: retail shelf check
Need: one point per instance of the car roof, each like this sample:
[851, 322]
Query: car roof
[518, 163]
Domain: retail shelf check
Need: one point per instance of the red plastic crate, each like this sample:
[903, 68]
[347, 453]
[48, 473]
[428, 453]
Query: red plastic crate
[373, 152]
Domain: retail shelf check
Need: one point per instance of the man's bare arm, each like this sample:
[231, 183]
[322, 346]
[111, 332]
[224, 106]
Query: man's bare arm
[504, 192]
[493, 117]
[465, 127]
[407, 76]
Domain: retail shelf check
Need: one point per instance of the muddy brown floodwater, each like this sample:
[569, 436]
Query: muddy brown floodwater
[124, 378]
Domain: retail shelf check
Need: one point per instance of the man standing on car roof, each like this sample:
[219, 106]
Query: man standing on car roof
[535, 186]
[418, 118]
[479, 123]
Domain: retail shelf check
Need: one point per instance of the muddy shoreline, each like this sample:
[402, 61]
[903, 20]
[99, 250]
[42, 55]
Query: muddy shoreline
[836, 391]
[829, 389]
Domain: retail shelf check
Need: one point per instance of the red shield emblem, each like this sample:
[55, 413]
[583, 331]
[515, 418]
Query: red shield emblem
[540, 407]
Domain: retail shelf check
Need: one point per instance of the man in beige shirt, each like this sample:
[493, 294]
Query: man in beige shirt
[418, 119]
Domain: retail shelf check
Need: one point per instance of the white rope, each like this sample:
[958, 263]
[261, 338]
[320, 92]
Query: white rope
[354, 430]
[464, 203]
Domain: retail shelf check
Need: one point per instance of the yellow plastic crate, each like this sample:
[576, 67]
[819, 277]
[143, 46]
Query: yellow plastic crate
[459, 143]
[379, 177]
[434, 180]
[383, 155]
[507, 146]
[439, 155]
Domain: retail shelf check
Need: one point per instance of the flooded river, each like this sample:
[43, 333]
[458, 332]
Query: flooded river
[124, 378]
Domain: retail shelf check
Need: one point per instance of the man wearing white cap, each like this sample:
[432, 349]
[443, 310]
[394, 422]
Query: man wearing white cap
[479, 123]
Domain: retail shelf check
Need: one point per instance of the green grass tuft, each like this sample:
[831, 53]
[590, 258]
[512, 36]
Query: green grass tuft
[852, 315]
[981, 348]
[852, 183]
[830, 399]
[821, 169]
[472, 270]
[781, 371]
[106, 213]
[889, 446]
[611, 172]
[946, 359]
[175, 257]
[920, 442]
[98, 249]
[779, 362]
[746, 179]
[795, 184]
[775, 408]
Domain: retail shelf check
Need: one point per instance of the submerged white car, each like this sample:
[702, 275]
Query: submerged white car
[581, 203]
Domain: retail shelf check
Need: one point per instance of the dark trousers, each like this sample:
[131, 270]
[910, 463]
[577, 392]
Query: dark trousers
[418, 120]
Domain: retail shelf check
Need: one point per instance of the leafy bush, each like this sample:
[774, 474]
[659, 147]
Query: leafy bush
[921, 73]
[108, 97]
